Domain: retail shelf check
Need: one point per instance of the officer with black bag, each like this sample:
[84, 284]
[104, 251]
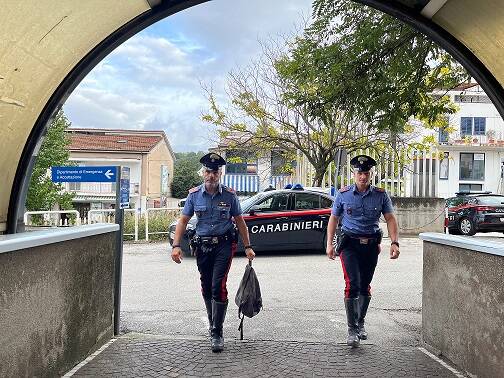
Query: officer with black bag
[358, 208]
[215, 240]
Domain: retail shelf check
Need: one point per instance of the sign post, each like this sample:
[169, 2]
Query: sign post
[119, 219]
[340, 158]
[105, 174]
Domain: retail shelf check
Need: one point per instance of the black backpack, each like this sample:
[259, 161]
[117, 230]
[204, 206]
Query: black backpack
[248, 298]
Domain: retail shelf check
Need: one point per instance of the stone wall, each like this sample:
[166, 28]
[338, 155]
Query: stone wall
[56, 305]
[418, 214]
[463, 304]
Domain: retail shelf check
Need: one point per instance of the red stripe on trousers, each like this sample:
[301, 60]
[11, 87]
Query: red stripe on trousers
[224, 280]
[347, 280]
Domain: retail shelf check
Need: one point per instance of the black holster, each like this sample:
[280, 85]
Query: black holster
[341, 240]
[236, 234]
[193, 244]
[380, 237]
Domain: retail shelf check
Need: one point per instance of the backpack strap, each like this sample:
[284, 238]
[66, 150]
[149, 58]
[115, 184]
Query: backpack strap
[240, 327]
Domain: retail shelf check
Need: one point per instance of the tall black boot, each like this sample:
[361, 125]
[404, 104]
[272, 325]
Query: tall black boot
[208, 305]
[363, 307]
[352, 313]
[218, 315]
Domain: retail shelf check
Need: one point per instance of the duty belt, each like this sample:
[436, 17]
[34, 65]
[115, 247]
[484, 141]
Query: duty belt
[213, 239]
[364, 239]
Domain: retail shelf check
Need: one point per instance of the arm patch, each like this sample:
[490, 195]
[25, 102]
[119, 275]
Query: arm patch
[345, 189]
[230, 190]
[193, 190]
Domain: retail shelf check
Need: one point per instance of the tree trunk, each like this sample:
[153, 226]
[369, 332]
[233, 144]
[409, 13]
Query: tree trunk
[319, 178]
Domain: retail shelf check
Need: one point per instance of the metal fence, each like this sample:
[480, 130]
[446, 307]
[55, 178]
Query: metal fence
[402, 172]
[52, 218]
[108, 216]
[63, 218]
[169, 212]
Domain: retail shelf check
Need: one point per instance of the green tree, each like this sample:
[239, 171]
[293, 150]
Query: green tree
[43, 194]
[263, 117]
[371, 66]
[353, 80]
[185, 175]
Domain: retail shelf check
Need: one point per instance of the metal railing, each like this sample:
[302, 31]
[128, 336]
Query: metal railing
[175, 210]
[49, 220]
[110, 218]
[101, 216]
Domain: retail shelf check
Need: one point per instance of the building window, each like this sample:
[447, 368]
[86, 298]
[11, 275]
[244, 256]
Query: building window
[443, 135]
[479, 125]
[465, 126]
[470, 187]
[74, 186]
[472, 166]
[240, 162]
[472, 126]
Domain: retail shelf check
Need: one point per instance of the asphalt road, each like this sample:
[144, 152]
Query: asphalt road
[302, 296]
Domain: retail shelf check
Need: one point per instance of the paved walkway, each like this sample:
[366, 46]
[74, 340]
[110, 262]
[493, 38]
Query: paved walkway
[141, 355]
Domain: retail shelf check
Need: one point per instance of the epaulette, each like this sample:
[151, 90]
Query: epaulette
[193, 190]
[381, 190]
[345, 189]
[230, 190]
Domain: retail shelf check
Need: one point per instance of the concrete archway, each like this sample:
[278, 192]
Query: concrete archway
[49, 47]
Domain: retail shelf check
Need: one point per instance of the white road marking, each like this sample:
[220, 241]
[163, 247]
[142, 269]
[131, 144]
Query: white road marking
[89, 359]
[435, 358]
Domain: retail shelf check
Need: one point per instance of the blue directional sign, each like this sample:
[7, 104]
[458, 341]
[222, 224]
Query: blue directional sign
[84, 174]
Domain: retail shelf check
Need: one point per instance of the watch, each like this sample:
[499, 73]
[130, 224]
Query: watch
[395, 242]
[247, 247]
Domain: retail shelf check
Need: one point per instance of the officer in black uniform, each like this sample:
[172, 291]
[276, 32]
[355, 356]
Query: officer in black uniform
[358, 207]
[215, 241]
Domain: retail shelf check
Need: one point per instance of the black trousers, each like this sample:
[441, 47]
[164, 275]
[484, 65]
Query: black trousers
[359, 263]
[214, 262]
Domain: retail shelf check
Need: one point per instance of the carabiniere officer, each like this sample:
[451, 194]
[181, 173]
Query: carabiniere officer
[215, 241]
[359, 207]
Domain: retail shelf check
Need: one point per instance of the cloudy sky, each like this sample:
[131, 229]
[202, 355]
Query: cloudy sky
[153, 81]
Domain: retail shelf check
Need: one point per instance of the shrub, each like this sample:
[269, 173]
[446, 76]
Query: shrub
[159, 221]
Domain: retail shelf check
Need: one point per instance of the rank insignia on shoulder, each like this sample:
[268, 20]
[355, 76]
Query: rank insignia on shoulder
[381, 190]
[193, 190]
[230, 190]
[345, 189]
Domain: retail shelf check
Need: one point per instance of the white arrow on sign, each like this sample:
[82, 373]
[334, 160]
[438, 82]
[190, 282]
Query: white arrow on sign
[109, 174]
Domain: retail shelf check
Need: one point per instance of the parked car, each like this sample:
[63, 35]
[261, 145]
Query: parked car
[471, 212]
[285, 219]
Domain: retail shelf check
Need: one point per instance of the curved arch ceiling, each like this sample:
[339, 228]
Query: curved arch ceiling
[48, 46]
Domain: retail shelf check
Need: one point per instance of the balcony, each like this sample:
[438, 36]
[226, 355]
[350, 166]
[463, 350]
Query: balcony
[494, 138]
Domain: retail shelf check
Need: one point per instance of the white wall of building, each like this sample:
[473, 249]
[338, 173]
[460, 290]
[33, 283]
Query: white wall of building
[493, 163]
[487, 144]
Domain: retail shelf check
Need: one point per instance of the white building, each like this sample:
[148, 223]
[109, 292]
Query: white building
[474, 151]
